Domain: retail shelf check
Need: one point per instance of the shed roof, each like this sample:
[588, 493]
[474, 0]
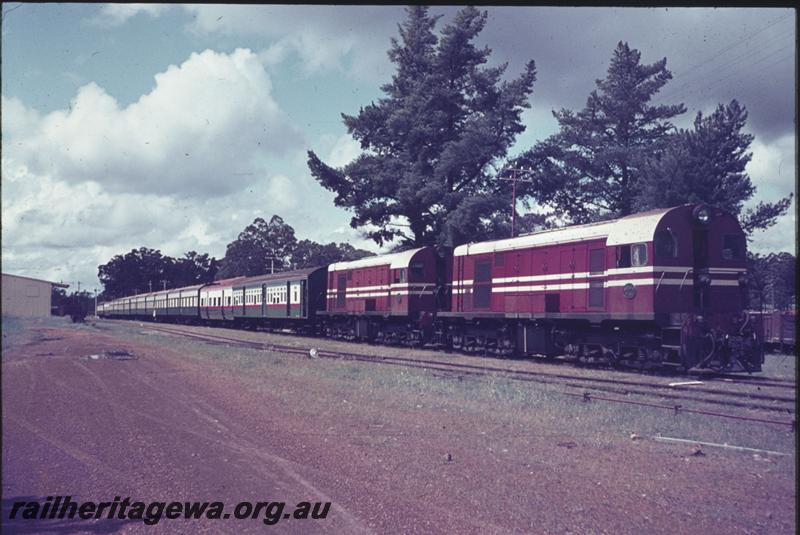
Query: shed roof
[56, 284]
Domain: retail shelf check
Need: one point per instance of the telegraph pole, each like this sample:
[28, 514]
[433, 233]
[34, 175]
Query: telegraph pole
[514, 178]
[272, 260]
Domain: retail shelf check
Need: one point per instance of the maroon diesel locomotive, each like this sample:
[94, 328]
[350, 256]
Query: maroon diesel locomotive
[665, 287]
[660, 288]
[386, 299]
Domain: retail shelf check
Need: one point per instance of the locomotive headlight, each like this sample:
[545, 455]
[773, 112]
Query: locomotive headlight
[704, 279]
[629, 291]
[702, 214]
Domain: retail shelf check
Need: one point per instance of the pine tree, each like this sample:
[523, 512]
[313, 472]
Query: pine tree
[707, 164]
[590, 169]
[429, 145]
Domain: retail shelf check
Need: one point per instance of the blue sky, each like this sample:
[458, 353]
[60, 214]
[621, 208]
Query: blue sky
[173, 127]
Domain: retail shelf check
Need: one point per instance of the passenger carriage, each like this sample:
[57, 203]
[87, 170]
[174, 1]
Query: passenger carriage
[216, 300]
[284, 299]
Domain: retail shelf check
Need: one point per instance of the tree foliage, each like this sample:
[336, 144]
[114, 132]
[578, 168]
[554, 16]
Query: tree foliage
[260, 248]
[308, 254]
[773, 280]
[429, 145]
[135, 272]
[707, 164]
[250, 254]
[77, 305]
[194, 268]
[263, 247]
[591, 168]
[144, 269]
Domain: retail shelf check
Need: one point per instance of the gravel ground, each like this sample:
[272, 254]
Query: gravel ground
[395, 450]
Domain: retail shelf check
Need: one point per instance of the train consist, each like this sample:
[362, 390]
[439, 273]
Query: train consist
[660, 288]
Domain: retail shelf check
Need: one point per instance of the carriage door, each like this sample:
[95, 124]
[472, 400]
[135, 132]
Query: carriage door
[458, 284]
[700, 250]
[341, 289]
[567, 271]
[303, 299]
[482, 296]
[597, 266]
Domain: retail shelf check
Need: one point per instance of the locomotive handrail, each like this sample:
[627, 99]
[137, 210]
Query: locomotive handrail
[661, 278]
[684, 278]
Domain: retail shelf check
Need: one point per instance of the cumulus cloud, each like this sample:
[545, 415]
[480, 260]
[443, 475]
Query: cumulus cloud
[204, 130]
[773, 167]
[351, 39]
[773, 170]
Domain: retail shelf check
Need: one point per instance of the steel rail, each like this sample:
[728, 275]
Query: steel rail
[526, 376]
[510, 371]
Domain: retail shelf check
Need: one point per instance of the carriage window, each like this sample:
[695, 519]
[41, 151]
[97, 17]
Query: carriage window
[639, 254]
[400, 275]
[732, 247]
[418, 270]
[596, 261]
[665, 244]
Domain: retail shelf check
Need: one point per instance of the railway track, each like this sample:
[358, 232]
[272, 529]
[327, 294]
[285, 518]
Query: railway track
[779, 401]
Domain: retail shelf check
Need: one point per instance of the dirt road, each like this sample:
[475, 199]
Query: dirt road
[167, 425]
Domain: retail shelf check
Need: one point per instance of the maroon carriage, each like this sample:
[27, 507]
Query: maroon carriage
[388, 298]
[664, 286]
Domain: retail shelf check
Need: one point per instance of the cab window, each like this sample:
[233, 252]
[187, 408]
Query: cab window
[665, 244]
[638, 254]
[732, 247]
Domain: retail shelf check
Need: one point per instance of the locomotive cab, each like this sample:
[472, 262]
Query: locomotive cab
[697, 257]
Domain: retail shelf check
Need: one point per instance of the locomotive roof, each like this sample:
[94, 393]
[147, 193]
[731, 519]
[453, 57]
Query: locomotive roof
[395, 261]
[633, 228]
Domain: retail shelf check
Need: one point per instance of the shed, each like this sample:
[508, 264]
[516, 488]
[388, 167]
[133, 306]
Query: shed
[26, 296]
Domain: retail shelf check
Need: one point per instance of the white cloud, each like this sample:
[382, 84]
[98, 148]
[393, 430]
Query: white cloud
[351, 39]
[773, 170]
[204, 130]
[116, 14]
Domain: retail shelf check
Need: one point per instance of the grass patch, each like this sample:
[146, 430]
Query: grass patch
[535, 408]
